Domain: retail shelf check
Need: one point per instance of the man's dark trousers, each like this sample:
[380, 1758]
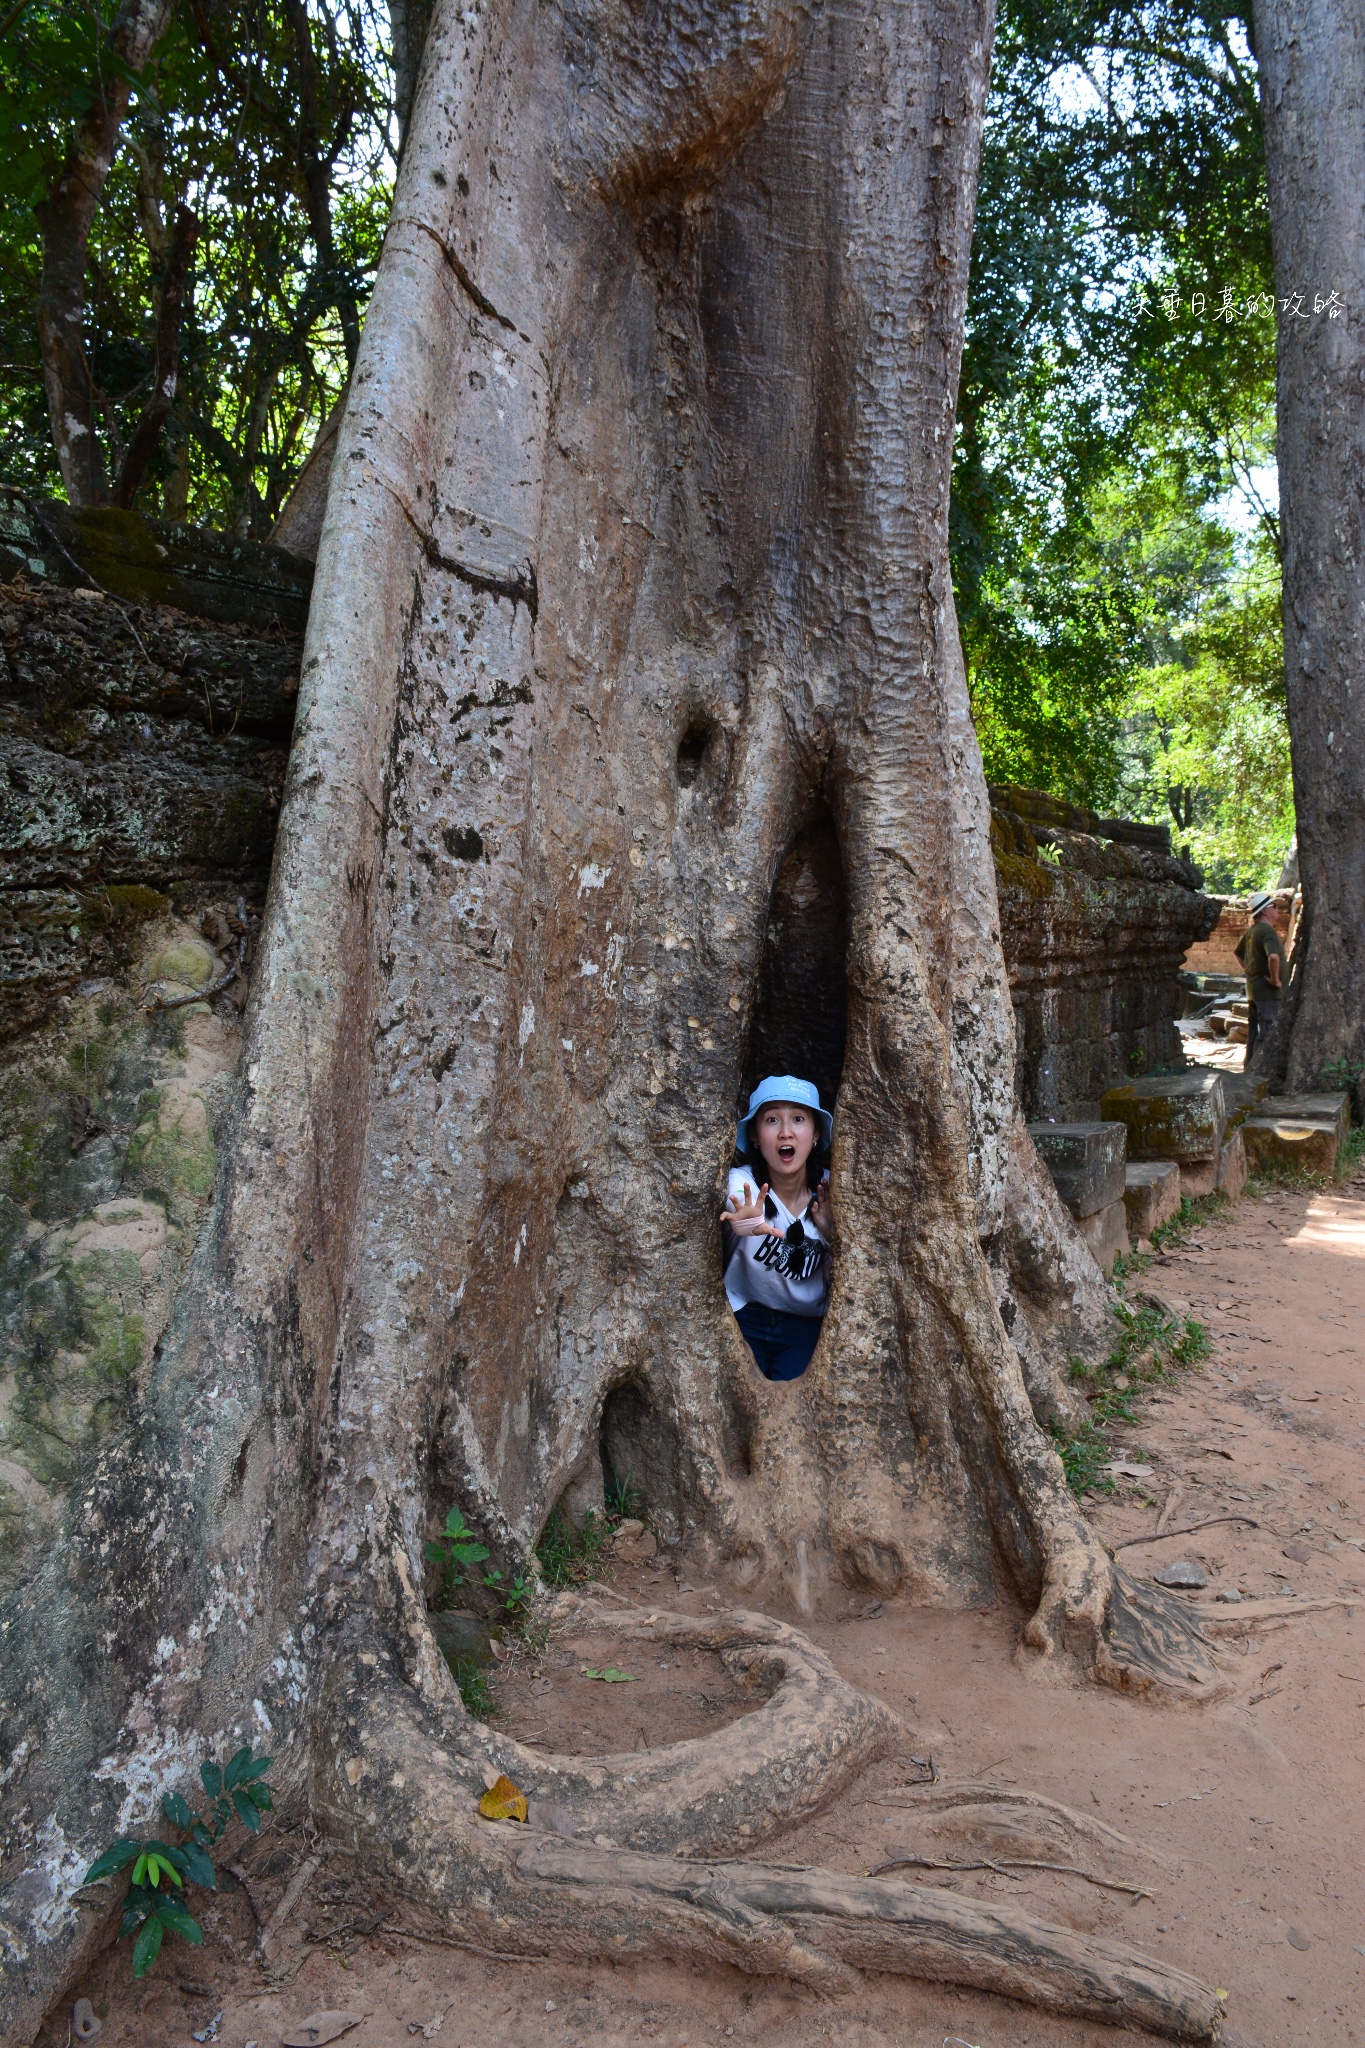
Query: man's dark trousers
[1260, 1017]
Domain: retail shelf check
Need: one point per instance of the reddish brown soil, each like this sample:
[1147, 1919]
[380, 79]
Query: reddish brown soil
[1255, 1806]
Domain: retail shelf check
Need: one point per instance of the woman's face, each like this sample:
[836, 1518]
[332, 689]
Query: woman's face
[786, 1136]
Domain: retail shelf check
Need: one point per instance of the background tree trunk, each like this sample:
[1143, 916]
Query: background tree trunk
[632, 725]
[64, 220]
[1311, 55]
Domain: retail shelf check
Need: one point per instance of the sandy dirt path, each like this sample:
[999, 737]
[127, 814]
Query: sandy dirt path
[1251, 1811]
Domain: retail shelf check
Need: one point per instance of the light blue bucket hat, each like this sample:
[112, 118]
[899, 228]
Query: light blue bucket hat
[784, 1088]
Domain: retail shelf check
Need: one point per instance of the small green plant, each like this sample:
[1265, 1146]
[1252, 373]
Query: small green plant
[1351, 1155]
[516, 1600]
[454, 1550]
[475, 1690]
[624, 1502]
[1195, 1211]
[609, 1675]
[567, 1555]
[151, 1909]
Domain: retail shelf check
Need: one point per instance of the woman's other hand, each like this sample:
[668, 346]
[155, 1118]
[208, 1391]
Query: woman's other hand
[820, 1212]
[746, 1218]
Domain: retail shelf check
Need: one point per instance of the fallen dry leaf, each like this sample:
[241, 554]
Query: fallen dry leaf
[320, 2027]
[502, 1801]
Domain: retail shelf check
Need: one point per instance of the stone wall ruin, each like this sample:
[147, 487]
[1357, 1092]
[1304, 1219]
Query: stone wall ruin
[1097, 915]
[144, 736]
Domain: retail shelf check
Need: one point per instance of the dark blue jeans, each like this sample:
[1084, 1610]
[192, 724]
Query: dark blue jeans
[781, 1343]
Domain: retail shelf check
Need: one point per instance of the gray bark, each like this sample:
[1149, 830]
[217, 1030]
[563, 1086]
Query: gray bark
[1312, 63]
[409, 21]
[633, 581]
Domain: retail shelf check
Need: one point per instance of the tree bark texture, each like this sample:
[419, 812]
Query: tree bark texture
[1311, 55]
[64, 220]
[632, 759]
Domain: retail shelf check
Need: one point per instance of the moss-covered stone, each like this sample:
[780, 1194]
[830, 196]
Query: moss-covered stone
[211, 575]
[107, 1159]
[1170, 1116]
[171, 1156]
[186, 962]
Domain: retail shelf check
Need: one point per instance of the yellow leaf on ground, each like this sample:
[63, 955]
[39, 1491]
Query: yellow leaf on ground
[502, 1801]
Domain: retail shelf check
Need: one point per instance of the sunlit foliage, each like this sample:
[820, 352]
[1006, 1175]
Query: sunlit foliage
[1108, 405]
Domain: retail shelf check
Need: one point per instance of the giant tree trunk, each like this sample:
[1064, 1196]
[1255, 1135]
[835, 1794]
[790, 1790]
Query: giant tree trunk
[1311, 55]
[632, 759]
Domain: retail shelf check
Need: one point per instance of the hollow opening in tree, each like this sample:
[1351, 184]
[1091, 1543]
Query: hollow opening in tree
[777, 1268]
[800, 1016]
[692, 749]
[641, 1457]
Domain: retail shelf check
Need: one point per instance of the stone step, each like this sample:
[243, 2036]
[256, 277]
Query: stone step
[1106, 1232]
[1182, 1117]
[1243, 1093]
[1332, 1106]
[1086, 1163]
[1306, 1131]
[1151, 1195]
[1233, 1165]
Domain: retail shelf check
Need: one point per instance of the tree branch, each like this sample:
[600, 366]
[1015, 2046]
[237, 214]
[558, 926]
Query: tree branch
[169, 328]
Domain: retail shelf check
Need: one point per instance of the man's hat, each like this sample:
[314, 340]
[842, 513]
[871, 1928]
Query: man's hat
[784, 1088]
[1259, 899]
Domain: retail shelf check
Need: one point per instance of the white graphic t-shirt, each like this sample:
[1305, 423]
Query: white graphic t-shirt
[794, 1278]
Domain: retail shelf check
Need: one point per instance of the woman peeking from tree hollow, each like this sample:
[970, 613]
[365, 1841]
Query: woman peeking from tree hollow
[775, 1225]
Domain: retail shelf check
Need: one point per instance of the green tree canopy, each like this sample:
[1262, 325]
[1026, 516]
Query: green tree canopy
[1118, 380]
[272, 119]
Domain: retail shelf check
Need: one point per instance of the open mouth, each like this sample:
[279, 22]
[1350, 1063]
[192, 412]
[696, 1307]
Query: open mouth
[786, 1153]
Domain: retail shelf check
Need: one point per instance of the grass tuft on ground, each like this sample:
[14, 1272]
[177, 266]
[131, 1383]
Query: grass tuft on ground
[1153, 1349]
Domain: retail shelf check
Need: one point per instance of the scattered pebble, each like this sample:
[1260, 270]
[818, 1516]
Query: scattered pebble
[1182, 1573]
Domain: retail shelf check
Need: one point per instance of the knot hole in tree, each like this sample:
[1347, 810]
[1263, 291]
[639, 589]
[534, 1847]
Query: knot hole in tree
[801, 1012]
[692, 751]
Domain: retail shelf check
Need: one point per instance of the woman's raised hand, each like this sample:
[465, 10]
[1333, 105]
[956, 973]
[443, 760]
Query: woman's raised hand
[819, 1211]
[746, 1218]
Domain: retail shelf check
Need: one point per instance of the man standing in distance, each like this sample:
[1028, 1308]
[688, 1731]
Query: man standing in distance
[1262, 955]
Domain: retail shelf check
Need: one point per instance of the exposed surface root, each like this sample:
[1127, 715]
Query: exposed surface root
[401, 1784]
[997, 1823]
[879, 1924]
[1153, 1644]
[1233, 1621]
[795, 1752]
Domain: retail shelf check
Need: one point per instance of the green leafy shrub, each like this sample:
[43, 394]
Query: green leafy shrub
[160, 1870]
